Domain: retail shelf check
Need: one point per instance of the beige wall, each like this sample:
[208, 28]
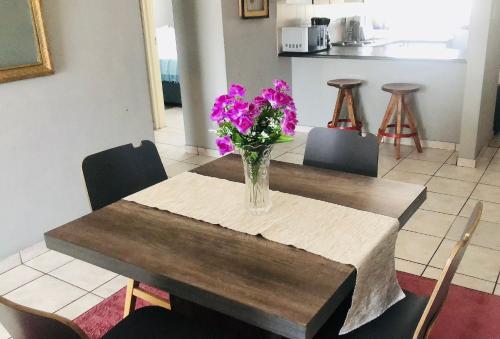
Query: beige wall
[251, 49]
[97, 99]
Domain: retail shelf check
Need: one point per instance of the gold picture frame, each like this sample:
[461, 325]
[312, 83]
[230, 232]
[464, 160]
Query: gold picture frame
[252, 9]
[43, 66]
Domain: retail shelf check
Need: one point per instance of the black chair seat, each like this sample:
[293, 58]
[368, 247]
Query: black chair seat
[156, 322]
[398, 322]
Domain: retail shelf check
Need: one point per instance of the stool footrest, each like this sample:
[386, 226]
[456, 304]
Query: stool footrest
[349, 128]
[396, 135]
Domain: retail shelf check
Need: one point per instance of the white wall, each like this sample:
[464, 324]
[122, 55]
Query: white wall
[97, 99]
[202, 65]
[251, 50]
[164, 15]
[437, 106]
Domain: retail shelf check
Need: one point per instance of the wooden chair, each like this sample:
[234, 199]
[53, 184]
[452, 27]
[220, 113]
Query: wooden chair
[414, 316]
[113, 174]
[151, 322]
[342, 150]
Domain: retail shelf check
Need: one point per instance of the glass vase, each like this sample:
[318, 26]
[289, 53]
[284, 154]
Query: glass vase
[256, 162]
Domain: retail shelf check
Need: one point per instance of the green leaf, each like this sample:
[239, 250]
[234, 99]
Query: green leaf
[284, 138]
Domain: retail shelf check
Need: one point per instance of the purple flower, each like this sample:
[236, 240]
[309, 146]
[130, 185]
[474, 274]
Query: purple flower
[222, 103]
[243, 123]
[260, 102]
[289, 122]
[281, 85]
[237, 90]
[224, 144]
[281, 100]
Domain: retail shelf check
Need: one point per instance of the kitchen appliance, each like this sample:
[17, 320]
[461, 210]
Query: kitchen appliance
[317, 21]
[304, 39]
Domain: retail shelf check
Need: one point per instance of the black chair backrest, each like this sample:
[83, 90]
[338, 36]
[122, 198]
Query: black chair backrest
[25, 323]
[342, 150]
[118, 172]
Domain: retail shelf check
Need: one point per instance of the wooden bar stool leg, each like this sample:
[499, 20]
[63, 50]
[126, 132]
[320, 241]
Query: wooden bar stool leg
[351, 109]
[413, 125]
[397, 138]
[130, 299]
[338, 107]
[387, 117]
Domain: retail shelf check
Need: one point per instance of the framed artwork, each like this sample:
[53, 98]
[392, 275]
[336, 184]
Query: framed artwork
[23, 43]
[250, 9]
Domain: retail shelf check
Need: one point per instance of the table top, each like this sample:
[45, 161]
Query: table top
[275, 287]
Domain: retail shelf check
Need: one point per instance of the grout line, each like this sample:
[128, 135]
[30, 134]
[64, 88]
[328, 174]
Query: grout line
[467, 275]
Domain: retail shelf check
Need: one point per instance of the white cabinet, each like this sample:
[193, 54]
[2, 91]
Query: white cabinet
[299, 2]
[321, 2]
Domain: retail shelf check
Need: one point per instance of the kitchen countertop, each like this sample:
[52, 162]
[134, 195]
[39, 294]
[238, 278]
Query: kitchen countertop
[387, 52]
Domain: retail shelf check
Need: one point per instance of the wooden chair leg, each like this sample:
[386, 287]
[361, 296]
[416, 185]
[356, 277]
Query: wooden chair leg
[130, 299]
[387, 117]
[338, 107]
[413, 125]
[351, 109]
[397, 139]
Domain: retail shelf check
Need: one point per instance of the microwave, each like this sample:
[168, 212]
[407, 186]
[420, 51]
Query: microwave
[304, 39]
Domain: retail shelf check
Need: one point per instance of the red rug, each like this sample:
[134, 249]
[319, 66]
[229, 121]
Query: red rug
[467, 314]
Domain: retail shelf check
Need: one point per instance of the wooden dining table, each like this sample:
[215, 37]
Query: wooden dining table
[277, 288]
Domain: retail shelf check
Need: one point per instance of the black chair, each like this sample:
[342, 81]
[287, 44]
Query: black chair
[113, 174]
[151, 322]
[342, 150]
[118, 172]
[414, 316]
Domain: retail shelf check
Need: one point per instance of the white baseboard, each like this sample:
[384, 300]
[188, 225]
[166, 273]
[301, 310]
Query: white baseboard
[449, 146]
[10, 262]
[33, 251]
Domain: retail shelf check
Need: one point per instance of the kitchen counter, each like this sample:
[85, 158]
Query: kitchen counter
[387, 52]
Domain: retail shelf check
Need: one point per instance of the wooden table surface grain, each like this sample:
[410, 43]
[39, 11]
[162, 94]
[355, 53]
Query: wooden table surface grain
[279, 288]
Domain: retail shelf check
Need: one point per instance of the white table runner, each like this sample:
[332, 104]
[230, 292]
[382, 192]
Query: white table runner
[346, 235]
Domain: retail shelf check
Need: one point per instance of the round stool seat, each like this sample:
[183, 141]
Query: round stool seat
[344, 83]
[400, 88]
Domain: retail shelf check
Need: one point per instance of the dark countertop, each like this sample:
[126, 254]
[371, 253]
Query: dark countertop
[388, 52]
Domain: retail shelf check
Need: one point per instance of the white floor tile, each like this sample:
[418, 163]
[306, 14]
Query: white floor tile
[429, 222]
[410, 178]
[418, 166]
[448, 186]
[491, 211]
[79, 306]
[497, 290]
[460, 173]
[487, 233]
[17, 277]
[388, 149]
[83, 275]
[33, 251]
[462, 280]
[443, 203]
[46, 294]
[111, 287]
[174, 168]
[491, 177]
[416, 247]
[478, 262]
[10, 262]
[487, 193]
[299, 150]
[49, 261]
[409, 267]
[171, 152]
[200, 160]
[431, 154]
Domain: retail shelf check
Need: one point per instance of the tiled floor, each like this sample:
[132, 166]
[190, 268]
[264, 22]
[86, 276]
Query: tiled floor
[57, 283]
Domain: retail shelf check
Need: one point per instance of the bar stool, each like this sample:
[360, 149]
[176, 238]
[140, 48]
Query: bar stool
[399, 105]
[345, 87]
